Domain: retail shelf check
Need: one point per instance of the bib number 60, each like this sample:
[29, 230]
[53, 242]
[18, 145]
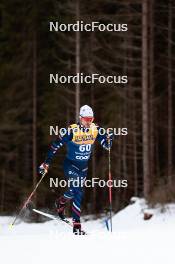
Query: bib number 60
[83, 148]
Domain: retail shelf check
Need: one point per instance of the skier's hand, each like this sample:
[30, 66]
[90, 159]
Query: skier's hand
[109, 142]
[109, 139]
[43, 168]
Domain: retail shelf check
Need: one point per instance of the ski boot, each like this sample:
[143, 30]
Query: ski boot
[60, 205]
[77, 228]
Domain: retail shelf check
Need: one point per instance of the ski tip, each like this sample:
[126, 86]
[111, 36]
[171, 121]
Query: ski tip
[10, 226]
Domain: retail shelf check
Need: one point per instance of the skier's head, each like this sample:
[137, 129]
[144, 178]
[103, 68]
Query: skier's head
[86, 116]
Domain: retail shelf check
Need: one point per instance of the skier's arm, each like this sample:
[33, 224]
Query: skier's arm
[55, 145]
[105, 139]
[58, 143]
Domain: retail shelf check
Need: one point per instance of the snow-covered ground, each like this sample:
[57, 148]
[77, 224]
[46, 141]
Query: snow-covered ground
[133, 241]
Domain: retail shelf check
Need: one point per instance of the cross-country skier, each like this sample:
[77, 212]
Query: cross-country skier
[79, 139]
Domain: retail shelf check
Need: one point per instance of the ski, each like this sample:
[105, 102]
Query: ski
[53, 217]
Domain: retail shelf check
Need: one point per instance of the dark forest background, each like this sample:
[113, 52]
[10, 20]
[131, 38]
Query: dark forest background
[29, 104]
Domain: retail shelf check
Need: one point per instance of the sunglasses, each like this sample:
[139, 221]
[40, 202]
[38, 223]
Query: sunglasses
[87, 119]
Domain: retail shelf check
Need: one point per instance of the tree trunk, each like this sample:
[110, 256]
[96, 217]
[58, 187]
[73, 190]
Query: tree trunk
[34, 125]
[151, 92]
[2, 189]
[145, 112]
[170, 112]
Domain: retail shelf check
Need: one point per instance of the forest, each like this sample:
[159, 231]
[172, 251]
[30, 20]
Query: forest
[30, 104]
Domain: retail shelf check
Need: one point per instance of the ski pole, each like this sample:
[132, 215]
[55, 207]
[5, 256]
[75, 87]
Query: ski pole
[110, 179]
[27, 201]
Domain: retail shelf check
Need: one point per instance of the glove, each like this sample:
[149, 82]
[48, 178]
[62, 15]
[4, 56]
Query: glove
[109, 142]
[110, 137]
[43, 168]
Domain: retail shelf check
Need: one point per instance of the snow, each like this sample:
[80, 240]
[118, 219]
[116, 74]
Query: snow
[133, 240]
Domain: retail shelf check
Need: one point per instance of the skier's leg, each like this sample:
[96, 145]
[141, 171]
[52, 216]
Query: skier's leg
[77, 200]
[76, 209]
[76, 204]
[60, 205]
[61, 202]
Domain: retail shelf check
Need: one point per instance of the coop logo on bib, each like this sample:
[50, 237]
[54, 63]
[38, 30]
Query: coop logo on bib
[82, 157]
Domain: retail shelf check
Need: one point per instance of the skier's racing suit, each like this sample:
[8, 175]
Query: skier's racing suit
[79, 142]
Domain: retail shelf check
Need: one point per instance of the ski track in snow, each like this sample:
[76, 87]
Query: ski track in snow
[133, 241]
